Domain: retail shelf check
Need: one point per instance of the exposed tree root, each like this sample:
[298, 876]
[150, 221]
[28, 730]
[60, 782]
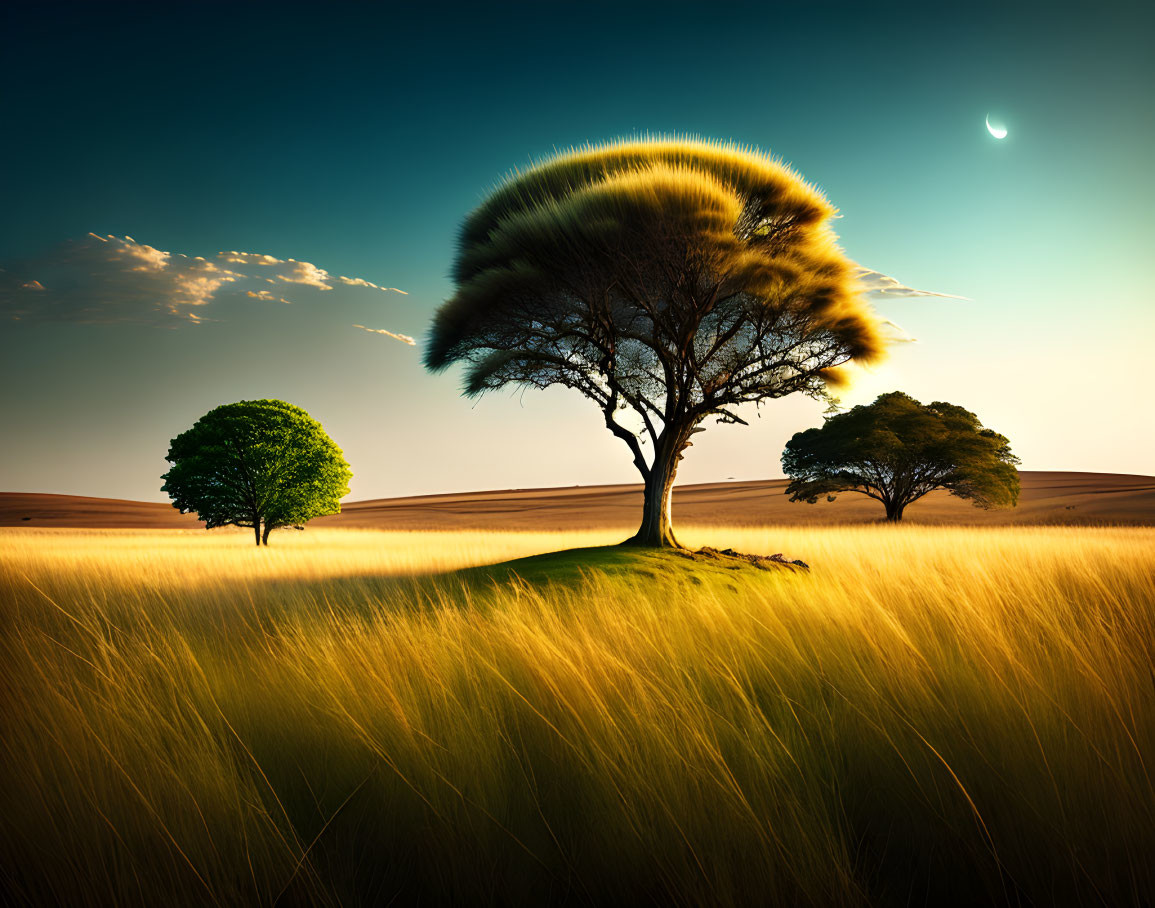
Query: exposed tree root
[738, 559]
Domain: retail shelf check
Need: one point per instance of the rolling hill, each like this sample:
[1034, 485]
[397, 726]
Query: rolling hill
[1054, 498]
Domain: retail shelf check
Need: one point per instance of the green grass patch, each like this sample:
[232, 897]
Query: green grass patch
[573, 566]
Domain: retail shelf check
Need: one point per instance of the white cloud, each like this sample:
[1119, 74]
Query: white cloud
[877, 284]
[304, 273]
[249, 258]
[265, 295]
[361, 282]
[109, 279]
[138, 256]
[404, 338]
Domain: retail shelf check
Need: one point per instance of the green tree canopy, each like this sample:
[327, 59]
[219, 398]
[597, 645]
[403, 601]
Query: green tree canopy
[668, 281]
[896, 450]
[256, 463]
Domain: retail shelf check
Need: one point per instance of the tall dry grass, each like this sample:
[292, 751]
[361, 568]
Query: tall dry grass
[931, 716]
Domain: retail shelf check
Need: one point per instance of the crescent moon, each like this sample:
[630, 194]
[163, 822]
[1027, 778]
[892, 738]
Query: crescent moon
[999, 132]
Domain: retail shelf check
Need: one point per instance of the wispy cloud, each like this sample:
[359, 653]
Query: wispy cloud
[109, 279]
[361, 282]
[265, 295]
[896, 333]
[404, 338]
[877, 284]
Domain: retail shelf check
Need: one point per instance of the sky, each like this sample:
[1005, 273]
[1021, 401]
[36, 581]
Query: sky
[204, 203]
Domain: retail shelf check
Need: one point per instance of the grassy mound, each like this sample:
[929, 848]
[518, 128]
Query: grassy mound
[574, 565]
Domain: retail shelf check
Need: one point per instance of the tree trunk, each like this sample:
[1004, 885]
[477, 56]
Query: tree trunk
[265, 534]
[656, 529]
[257, 529]
[894, 511]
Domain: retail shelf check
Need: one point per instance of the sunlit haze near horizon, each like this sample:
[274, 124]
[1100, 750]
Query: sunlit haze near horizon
[210, 203]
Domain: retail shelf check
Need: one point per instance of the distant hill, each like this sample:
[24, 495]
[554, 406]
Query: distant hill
[1047, 498]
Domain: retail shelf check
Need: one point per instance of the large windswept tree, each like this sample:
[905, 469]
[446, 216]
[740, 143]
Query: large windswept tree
[668, 281]
[896, 450]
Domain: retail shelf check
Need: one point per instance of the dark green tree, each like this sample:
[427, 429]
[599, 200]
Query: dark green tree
[896, 450]
[668, 281]
[256, 463]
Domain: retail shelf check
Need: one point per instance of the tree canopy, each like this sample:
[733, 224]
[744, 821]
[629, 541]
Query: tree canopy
[668, 281]
[256, 463]
[896, 450]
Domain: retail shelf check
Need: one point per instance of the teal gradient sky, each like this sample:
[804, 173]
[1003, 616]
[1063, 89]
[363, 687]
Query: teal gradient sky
[357, 139]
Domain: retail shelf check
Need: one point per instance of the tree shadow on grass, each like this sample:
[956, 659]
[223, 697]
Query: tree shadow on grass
[561, 571]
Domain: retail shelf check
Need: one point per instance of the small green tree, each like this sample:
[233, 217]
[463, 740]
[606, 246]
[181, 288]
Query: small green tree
[896, 450]
[256, 463]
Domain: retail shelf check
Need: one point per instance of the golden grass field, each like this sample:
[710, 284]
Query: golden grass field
[931, 715]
